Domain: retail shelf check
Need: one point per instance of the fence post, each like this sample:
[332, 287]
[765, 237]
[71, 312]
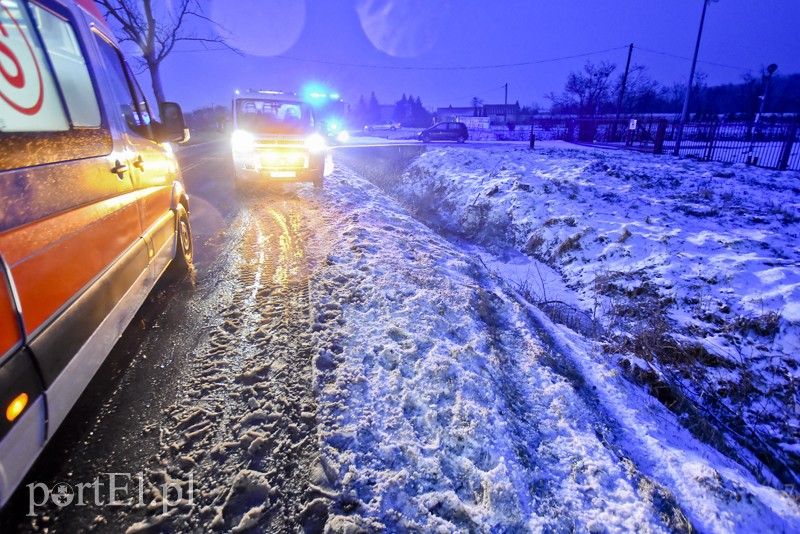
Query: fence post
[712, 136]
[661, 133]
[786, 151]
[571, 130]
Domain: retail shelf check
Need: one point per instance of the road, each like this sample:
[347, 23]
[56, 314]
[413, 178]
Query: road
[252, 259]
[206, 409]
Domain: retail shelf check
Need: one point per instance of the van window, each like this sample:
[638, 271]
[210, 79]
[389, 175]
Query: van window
[29, 100]
[129, 97]
[70, 67]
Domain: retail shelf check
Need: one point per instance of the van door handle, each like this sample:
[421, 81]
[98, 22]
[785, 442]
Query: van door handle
[139, 163]
[119, 168]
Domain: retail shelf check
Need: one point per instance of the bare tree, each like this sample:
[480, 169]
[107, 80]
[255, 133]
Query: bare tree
[156, 30]
[585, 91]
[476, 104]
[641, 91]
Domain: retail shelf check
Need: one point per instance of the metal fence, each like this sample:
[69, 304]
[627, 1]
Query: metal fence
[773, 145]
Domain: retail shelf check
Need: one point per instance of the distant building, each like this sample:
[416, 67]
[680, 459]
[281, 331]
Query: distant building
[480, 116]
[502, 112]
[453, 114]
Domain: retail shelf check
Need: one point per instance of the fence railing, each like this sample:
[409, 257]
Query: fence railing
[772, 145]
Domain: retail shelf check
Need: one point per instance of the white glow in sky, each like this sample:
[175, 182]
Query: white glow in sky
[402, 28]
[260, 27]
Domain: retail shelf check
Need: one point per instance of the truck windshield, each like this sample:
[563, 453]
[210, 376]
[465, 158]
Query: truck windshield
[278, 116]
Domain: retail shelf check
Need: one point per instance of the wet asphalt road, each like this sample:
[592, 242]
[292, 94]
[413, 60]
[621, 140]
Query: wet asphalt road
[105, 432]
[252, 260]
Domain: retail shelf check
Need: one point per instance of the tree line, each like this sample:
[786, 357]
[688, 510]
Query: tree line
[596, 90]
[408, 111]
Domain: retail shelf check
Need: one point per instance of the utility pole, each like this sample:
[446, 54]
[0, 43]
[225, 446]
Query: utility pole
[770, 71]
[505, 103]
[685, 112]
[624, 80]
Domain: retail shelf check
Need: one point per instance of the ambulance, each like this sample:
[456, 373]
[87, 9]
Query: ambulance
[92, 213]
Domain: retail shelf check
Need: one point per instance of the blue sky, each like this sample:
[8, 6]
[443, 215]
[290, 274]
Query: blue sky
[414, 46]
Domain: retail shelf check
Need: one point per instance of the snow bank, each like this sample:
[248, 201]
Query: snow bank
[441, 411]
[679, 260]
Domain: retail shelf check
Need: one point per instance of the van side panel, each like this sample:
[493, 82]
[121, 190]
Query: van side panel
[66, 251]
[68, 334]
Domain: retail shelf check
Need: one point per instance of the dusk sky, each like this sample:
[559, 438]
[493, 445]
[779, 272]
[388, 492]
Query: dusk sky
[421, 46]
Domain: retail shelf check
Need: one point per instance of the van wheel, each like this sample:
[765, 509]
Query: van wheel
[426, 139]
[184, 250]
[461, 139]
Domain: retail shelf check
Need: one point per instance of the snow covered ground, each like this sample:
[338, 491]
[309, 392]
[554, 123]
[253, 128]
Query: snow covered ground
[441, 408]
[367, 374]
[687, 271]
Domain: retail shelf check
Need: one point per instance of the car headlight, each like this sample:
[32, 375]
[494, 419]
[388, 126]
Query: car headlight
[343, 136]
[243, 141]
[316, 143]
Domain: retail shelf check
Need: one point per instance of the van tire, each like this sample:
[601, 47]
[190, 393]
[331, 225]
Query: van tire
[461, 139]
[184, 246]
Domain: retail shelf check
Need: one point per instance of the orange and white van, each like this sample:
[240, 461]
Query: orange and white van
[92, 212]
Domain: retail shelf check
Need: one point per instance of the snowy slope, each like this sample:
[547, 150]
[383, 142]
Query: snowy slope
[441, 408]
[690, 270]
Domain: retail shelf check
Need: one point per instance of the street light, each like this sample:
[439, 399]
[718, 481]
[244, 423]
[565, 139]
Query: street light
[685, 111]
[770, 71]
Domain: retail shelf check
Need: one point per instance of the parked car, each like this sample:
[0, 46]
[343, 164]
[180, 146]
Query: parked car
[445, 131]
[385, 125]
[92, 212]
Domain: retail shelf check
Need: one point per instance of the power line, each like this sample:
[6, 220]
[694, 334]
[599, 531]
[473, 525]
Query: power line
[473, 67]
[689, 59]
[396, 67]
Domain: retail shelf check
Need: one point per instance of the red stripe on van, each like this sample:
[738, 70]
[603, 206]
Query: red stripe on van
[53, 276]
[25, 241]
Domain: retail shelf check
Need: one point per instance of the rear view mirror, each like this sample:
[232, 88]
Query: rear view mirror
[173, 127]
